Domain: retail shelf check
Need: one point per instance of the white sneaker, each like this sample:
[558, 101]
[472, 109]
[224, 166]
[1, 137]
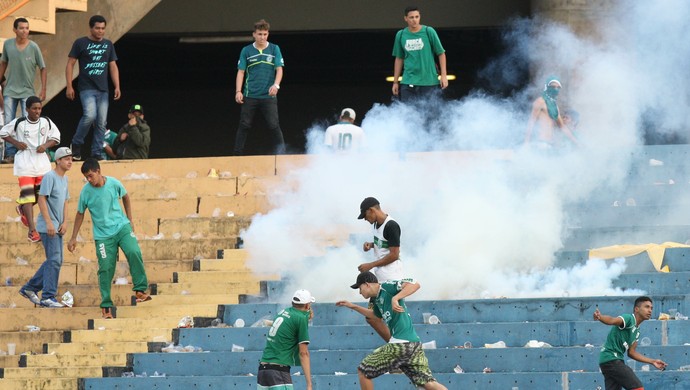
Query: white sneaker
[51, 302]
[30, 295]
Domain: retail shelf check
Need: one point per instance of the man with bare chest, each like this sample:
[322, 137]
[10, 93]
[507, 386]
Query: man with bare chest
[546, 119]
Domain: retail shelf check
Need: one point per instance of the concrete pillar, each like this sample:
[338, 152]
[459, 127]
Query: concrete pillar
[72, 25]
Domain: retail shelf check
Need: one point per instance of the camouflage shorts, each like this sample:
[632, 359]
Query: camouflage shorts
[408, 357]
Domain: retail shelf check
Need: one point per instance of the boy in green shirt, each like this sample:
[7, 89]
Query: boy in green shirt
[414, 50]
[623, 337]
[112, 230]
[287, 345]
[404, 349]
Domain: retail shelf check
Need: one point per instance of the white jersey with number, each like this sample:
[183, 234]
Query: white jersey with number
[344, 136]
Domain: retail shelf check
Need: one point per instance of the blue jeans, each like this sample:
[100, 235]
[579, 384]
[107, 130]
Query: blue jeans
[269, 109]
[411, 93]
[95, 106]
[11, 113]
[46, 278]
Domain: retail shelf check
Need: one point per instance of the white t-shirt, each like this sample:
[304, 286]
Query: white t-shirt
[344, 136]
[28, 162]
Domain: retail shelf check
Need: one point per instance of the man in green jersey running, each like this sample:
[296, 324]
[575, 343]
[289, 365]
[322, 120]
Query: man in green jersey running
[287, 345]
[404, 349]
[623, 337]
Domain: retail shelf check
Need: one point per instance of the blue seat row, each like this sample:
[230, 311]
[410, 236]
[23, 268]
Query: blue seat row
[652, 380]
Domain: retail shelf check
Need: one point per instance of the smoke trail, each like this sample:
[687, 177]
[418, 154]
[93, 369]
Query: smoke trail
[487, 222]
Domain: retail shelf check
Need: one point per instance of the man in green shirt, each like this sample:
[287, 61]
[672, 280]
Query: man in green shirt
[623, 337]
[112, 231]
[414, 50]
[287, 345]
[260, 69]
[404, 349]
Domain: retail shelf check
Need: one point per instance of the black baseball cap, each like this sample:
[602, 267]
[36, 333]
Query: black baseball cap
[366, 204]
[136, 107]
[364, 277]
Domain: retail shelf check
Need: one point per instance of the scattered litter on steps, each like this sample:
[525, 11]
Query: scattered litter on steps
[140, 176]
[339, 373]
[498, 344]
[121, 281]
[186, 322]
[21, 261]
[537, 344]
[458, 369]
[32, 328]
[237, 348]
[487, 370]
[67, 299]
[192, 175]
[655, 163]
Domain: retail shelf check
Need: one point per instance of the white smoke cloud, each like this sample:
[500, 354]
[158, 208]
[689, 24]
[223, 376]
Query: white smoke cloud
[487, 221]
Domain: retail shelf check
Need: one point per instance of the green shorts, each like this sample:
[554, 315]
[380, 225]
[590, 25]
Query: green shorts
[408, 357]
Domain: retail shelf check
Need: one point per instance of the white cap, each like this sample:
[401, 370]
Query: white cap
[350, 113]
[62, 152]
[302, 297]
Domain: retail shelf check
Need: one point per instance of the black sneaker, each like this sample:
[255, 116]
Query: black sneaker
[76, 152]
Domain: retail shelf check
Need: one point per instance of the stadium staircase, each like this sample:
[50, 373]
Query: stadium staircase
[202, 275]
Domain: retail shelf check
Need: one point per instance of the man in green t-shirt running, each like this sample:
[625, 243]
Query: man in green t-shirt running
[287, 345]
[414, 50]
[623, 337]
[404, 349]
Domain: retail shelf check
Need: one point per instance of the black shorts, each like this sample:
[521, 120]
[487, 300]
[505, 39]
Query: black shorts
[274, 376]
[619, 376]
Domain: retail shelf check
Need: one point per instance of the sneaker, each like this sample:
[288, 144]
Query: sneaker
[30, 295]
[76, 152]
[107, 314]
[20, 211]
[142, 296]
[51, 302]
[7, 160]
[34, 236]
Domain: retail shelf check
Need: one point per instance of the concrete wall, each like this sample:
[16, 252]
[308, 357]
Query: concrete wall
[223, 16]
[72, 25]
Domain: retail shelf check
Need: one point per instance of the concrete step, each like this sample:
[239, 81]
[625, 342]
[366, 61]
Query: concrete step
[219, 265]
[165, 249]
[70, 360]
[223, 287]
[53, 372]
[335, 337]
[87, 272]
[210, 227]
[595, 237]
[190, 300]
[39, 384]
[9, 360]
[85, 295]
[181, 167]
[29, 341]
[118, 335]
[95, 348]
[220, 276]
[675, 258]
[474, 310]
[652, 380]
[47, 319]
[147, 310]
[136, 323]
